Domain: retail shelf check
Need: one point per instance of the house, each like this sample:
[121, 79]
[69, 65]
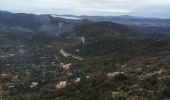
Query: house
[61, 85]
[65, 66]
[14, 78]
[4, 75]
[69, 74]
[114, 74]
[34, 84]
[78, 57]
[2, 57]
[22, 45]
[124, 66]
[48, 46]
[77, 50]
[77, 80]
[11, 86]
[11, 55]
[52, 62]
[87, 77]
[8, 64]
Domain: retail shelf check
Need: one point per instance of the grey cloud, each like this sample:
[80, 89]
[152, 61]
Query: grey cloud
[89, 7]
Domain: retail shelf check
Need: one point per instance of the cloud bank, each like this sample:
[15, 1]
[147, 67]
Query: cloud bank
[147, 8]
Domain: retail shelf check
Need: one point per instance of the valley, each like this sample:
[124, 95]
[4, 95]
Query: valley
[89, 60]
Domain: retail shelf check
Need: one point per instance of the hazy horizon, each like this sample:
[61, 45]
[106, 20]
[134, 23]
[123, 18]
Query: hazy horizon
[149, 8]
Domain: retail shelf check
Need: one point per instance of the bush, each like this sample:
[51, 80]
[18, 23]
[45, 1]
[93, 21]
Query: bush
[165, 92]
[121, 77]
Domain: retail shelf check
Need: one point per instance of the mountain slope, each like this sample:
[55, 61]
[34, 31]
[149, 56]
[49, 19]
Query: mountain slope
[21, 22]
[116, 64]
[104, 29]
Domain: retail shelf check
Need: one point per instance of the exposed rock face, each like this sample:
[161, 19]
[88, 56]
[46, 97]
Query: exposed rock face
[66, 54]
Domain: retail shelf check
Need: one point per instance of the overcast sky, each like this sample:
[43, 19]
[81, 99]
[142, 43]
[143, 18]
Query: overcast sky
[146, 8]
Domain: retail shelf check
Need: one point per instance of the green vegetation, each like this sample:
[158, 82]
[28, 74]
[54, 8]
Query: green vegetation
[31, 70]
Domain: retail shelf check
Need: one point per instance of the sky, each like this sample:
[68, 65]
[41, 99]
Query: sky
[144, 8]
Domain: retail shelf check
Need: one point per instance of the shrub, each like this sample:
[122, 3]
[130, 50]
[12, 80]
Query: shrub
[165, 91]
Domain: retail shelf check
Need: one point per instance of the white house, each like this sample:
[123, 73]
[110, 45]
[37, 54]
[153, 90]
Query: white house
[61, 85]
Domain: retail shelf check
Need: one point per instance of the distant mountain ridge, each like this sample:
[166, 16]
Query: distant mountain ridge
[126, 19]
[56, 25]
[142, 24]
[21, 22]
